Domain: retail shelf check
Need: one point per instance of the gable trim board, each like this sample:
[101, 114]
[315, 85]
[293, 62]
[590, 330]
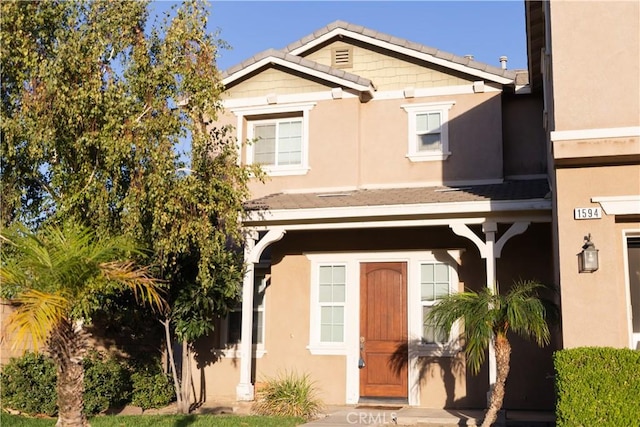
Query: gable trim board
[361, 84]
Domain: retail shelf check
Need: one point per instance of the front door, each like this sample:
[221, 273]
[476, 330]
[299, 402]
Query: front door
[383, 329]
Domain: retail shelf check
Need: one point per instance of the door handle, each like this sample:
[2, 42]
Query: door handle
[361, 363]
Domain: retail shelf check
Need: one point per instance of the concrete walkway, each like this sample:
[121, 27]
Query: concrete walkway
[345, 416]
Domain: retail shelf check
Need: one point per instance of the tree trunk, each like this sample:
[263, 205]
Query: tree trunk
[172, 363]
[186, 377]
[503, 358]
[67, 345]
[181, 385]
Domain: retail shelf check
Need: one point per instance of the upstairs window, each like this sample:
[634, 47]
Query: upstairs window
[428, 130]
[277, 142]
[278, 137]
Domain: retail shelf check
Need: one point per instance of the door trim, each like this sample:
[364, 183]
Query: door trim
[414, 311]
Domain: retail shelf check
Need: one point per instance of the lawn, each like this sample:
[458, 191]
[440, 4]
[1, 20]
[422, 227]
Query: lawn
[7, 420]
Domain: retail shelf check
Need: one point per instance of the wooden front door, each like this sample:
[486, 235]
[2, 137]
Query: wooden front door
[383, 329]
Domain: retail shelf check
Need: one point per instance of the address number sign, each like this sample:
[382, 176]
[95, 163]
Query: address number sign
[587, 213]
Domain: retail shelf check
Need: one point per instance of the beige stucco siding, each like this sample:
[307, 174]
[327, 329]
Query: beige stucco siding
[287, 331]
[389, 72]
[524, 137]
[596, 64]
[594, 305]
[348, 147]
[475, 142]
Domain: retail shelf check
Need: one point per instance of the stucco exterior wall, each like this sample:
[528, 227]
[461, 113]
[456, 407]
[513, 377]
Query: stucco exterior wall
[596, 64]
[594, 304]
[523, 135]
[348, 147]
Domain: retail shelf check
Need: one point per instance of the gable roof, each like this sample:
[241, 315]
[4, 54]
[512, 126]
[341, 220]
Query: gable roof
[292, 57]
[297, 63]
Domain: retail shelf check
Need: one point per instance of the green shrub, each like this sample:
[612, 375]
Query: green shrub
[289, 394]
[107, 383]
[152, 388]
[28, 384]
[597, 387]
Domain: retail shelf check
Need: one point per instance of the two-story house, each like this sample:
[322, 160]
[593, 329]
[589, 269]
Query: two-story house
[397, 173]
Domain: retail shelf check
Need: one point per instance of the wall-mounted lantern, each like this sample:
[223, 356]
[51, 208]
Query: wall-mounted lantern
[588, 257]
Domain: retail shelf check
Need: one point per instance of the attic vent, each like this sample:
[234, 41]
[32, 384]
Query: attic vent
[342, 57]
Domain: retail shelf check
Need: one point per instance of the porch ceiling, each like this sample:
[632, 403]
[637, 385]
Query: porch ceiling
[437, 204]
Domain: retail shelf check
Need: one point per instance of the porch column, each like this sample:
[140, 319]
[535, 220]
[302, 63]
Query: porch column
[490, 250]
[252, 251]
[244, 389]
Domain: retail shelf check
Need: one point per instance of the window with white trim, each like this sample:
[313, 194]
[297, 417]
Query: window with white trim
[437, 280]
[331, 301]
[428, 129]
[277, 136]
[277, 143]
[328, 329]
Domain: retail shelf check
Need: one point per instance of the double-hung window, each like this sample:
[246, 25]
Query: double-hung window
[428, 130]
[331, 299]
[437, 280]
[328, 327]
[277, 142]
[277, 137]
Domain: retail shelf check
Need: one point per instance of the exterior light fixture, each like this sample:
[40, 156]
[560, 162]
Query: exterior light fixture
[588, 257]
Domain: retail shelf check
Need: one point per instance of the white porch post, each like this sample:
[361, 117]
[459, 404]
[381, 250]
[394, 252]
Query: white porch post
[489, 229]
[244, 389]
[490, 250]
[252, 251]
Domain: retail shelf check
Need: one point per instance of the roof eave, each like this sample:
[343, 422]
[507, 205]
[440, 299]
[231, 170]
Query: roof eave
[272, 60]
[396, 212]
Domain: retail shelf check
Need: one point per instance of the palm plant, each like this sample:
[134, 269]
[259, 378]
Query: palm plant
[488, 317]
[56, 278]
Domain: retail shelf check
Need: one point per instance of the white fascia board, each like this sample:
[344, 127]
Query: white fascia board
[541, 218]
[387, 211]
[403, 50]
[299, 68]
[569, 135]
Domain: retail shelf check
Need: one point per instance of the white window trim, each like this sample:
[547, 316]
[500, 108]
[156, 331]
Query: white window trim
[232, 351]
[452, 347]
[316, 346]
[304, 108]
[431, 107]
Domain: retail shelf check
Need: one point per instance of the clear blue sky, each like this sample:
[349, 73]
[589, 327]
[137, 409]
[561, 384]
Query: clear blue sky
[485, 29]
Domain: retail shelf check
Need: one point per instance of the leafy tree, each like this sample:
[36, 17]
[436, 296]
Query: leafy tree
[57, 278]
[488, 317]
[96, 100]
